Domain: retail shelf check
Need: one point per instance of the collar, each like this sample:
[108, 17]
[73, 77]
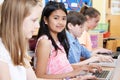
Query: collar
[70, 37]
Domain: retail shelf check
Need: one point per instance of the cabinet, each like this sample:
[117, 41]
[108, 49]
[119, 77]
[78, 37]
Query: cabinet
[104, 6]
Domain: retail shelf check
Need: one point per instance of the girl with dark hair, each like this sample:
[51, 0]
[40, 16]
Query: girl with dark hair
[52, 46]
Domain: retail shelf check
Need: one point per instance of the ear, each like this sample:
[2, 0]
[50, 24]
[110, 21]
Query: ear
[87, 17]
[70, 26]
[45, 20]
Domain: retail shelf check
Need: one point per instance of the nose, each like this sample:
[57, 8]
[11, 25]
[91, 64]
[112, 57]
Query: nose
[61, 21]
[37, 25]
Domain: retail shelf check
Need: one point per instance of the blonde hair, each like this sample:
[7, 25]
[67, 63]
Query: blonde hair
[11, 31]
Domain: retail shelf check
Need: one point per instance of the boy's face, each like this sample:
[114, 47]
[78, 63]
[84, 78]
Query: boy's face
[76, 30]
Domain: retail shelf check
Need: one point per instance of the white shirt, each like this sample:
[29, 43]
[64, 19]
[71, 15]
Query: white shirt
[16, 72]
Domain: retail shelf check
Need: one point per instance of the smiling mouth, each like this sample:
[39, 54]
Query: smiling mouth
[59, 26]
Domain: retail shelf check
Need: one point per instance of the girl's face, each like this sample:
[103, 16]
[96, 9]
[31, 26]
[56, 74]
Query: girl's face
[56, 21]
[31, 21]
[93, 22]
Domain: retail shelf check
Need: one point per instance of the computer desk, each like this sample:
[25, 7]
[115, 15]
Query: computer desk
[116, 70]
[116, 73]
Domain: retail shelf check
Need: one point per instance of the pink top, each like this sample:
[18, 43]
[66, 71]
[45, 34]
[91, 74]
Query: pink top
[57, 62]
[86, 40]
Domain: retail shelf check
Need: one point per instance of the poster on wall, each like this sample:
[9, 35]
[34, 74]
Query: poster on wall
[73, 4]
[115, 7]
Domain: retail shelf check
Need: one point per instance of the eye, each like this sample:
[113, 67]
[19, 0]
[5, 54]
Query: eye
[97, 21]
[34, 20]
[55, 17]
[81, 26]
[64, 18]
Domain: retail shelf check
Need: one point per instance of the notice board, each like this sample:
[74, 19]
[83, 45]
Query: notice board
[73, 4]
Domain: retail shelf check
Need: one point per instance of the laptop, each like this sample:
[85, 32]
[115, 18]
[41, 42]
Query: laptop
[115, 54]
[104, 75]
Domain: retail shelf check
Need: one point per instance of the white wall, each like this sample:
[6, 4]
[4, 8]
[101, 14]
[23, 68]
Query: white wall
[100, 6]
[1, 1]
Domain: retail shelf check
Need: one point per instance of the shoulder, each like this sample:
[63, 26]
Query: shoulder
[1, 44]
[42, 50]
[43, 41]
[4, 55]
[43, 45]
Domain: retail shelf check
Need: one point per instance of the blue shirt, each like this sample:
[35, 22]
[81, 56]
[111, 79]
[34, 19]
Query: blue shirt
[76, 50]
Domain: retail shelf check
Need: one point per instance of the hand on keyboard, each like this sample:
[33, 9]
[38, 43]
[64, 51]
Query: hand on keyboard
[108, 64]
[104, 58]
[103, 51]
[102, 74]
[94, 67]
[85, 76]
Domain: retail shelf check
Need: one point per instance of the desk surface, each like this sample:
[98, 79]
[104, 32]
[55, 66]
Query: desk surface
[116, 74]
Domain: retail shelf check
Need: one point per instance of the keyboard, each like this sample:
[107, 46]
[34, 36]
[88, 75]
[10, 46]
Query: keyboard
[103, 74]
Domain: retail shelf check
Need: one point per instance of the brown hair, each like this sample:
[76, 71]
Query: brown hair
[75, 18]
[89, 11]
[11, 31]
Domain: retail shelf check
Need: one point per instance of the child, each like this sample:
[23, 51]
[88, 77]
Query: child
[93, 17]
[52, 46]
[75, 27]
[19, 18]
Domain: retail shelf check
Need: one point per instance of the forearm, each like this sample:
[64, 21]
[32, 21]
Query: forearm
[47, 79]
[81, 63]
[87, 61]
[56, 76]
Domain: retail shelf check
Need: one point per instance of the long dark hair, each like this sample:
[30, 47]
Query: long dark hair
[48, 9]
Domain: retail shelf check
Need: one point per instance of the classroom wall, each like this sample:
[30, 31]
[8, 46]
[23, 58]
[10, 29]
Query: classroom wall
[1, 1]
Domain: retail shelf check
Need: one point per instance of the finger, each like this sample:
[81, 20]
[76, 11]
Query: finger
[95, 66]
[99, 68]
[109, 59]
